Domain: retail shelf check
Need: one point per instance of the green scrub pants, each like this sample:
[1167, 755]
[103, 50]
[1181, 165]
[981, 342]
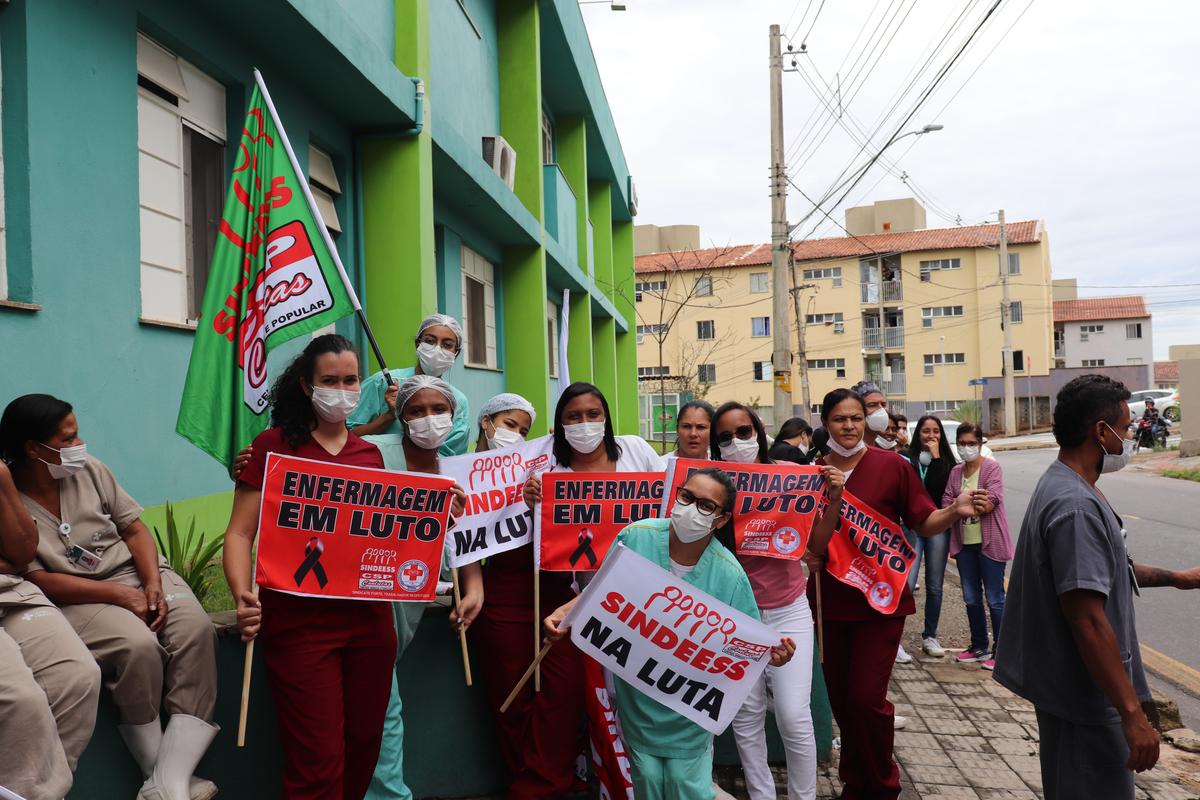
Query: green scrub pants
[659, 778]
[388, 781]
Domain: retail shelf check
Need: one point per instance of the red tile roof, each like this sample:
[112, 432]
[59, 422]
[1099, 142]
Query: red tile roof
[1027, 232]
[1166, 371]
[1100, 308]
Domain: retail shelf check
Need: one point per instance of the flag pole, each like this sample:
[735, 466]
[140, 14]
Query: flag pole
[462, 632]
[316, 213]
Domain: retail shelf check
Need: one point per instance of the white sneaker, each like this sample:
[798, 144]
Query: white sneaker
[933, 647]
[902, 656]
[899, 723]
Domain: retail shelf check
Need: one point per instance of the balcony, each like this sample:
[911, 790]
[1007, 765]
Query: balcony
[892, 338]
[560, 211]
[893, 292]
[894, 387]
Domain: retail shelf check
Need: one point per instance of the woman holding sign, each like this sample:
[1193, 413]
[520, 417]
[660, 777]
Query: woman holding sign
[671, 756]
[739, 436]
[329, 661]
[539, 734]
[859, 641]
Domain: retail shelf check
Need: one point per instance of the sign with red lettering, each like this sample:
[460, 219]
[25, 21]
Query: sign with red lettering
[333, 530]
[669, 640]
[497, 518]
[871, 553]
[776, 504]
[610, 762]
[581, 514]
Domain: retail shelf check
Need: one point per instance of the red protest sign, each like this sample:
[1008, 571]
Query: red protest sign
[871, 553]
[331, 530]
[582, 512]
[776, 504]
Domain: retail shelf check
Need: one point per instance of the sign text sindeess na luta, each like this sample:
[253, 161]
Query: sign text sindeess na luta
[776, 504]
[871, 553]
[581, 514]
[333, 530]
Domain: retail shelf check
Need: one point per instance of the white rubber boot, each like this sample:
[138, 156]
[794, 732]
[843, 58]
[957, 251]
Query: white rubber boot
[183, 745]
[144, 742]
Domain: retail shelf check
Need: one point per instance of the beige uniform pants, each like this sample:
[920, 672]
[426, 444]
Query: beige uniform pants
[138, 665]
[49, 686]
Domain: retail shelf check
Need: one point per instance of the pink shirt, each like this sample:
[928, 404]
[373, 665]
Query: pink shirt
[776, 582]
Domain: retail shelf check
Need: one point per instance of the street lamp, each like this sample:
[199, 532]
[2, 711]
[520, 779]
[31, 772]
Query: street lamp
[612, 4]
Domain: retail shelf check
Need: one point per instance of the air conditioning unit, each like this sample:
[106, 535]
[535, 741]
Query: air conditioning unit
[839, 327]
[501, 158]
[1083, 337]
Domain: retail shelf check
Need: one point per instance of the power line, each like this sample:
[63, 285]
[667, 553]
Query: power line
[803, 41]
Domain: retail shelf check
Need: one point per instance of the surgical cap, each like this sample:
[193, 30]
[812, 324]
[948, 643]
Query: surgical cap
[507, 401]
[416, 383]
[864, 388]
[441, 319]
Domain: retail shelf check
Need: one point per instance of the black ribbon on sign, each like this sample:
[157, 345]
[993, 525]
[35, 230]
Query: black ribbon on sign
[311, 563]
[584, 549]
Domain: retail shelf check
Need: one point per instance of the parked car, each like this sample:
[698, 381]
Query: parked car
[1165, 400]
[951, 428]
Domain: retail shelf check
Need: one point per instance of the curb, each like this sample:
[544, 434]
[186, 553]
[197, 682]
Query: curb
[1002, 448]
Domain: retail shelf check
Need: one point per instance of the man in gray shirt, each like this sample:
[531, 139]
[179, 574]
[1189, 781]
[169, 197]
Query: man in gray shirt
[1068, 642]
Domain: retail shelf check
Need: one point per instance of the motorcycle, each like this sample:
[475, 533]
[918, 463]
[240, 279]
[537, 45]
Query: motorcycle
[1149, 434]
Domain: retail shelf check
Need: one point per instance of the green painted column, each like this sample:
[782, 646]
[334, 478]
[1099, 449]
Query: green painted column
[604, 361]
[526, 348]
[401, 277]
[624, 279]
[600, 211]
[571, 147]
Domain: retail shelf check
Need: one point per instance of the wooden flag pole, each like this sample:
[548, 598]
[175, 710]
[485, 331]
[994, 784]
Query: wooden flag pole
[528, 672]
[247, 666]
[537, 634]
[462, 632]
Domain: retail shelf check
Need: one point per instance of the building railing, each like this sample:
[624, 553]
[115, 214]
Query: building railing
[893, 338]
[893, 291]
[893, 386]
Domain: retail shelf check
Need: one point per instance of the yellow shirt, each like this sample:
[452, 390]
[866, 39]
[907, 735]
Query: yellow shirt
[972, 531]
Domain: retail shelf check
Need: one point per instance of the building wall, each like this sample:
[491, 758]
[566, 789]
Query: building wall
[1113, 345]
[976, 334]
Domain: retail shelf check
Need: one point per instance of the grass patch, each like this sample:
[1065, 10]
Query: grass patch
[1192, 474]
[218, 597]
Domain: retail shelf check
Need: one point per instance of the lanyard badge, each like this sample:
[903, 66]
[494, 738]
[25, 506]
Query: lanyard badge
[81, 557]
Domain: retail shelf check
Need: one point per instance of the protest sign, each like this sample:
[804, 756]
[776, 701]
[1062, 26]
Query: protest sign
[497, 518]
[610, 762]
[669, 640]
[871, 553]
[776, 504]
[581, 514]
[332, 530]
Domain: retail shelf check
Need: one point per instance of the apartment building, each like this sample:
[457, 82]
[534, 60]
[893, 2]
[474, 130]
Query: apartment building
[918, 310]
[1103, 332]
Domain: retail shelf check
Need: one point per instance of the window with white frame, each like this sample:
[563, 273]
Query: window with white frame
[928, 315]
[552, 336]
[1133, 330]
[706, 373]
[1016, 312]
[653, 287]
[825, 273]
[323, 181]
[706, 329]
[1018, 360]
[1091, 329]
[1092, 362]
[760, 282]
[823, 319]
[652, 330]
[937, 359]
[479, 310]
[547, 140]
[181, 175]
[760, 326]
[704, 287]
[1014, 263]
[763, 371]
[653, 372]
[937, 265]
[941, 406]
[836, 364]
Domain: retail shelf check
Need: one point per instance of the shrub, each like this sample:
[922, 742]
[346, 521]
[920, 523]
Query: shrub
[191, 557]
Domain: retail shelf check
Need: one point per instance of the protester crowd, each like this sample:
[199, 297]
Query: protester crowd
[86, 601]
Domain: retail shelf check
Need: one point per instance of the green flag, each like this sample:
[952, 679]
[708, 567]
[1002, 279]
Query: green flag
[273, 278]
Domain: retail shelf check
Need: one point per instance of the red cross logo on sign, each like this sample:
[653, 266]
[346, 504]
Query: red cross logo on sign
[786, 540]
[413, 575]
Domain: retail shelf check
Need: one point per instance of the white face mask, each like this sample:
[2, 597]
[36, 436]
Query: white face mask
[584, 437]
[435, 360]
[846, 452]
[968, 454]
[803, 448]
[689, 524]
[926, 458]
[503, 437]
[73, 459]
[430, 431]
[885, 444]
[740, 451]
[333, 405]
[877, 420]
[1114, 462]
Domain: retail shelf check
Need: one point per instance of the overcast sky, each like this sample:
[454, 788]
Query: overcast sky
[1086, 116]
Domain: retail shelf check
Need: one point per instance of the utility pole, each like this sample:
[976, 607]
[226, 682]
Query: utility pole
[1010, 389]
[945, 392]
[781, 357]
[797, 288]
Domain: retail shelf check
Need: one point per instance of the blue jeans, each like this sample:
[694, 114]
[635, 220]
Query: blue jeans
[981, 576]
[936, 550]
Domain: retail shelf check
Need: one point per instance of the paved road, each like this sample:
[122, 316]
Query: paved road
[1162, 518]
